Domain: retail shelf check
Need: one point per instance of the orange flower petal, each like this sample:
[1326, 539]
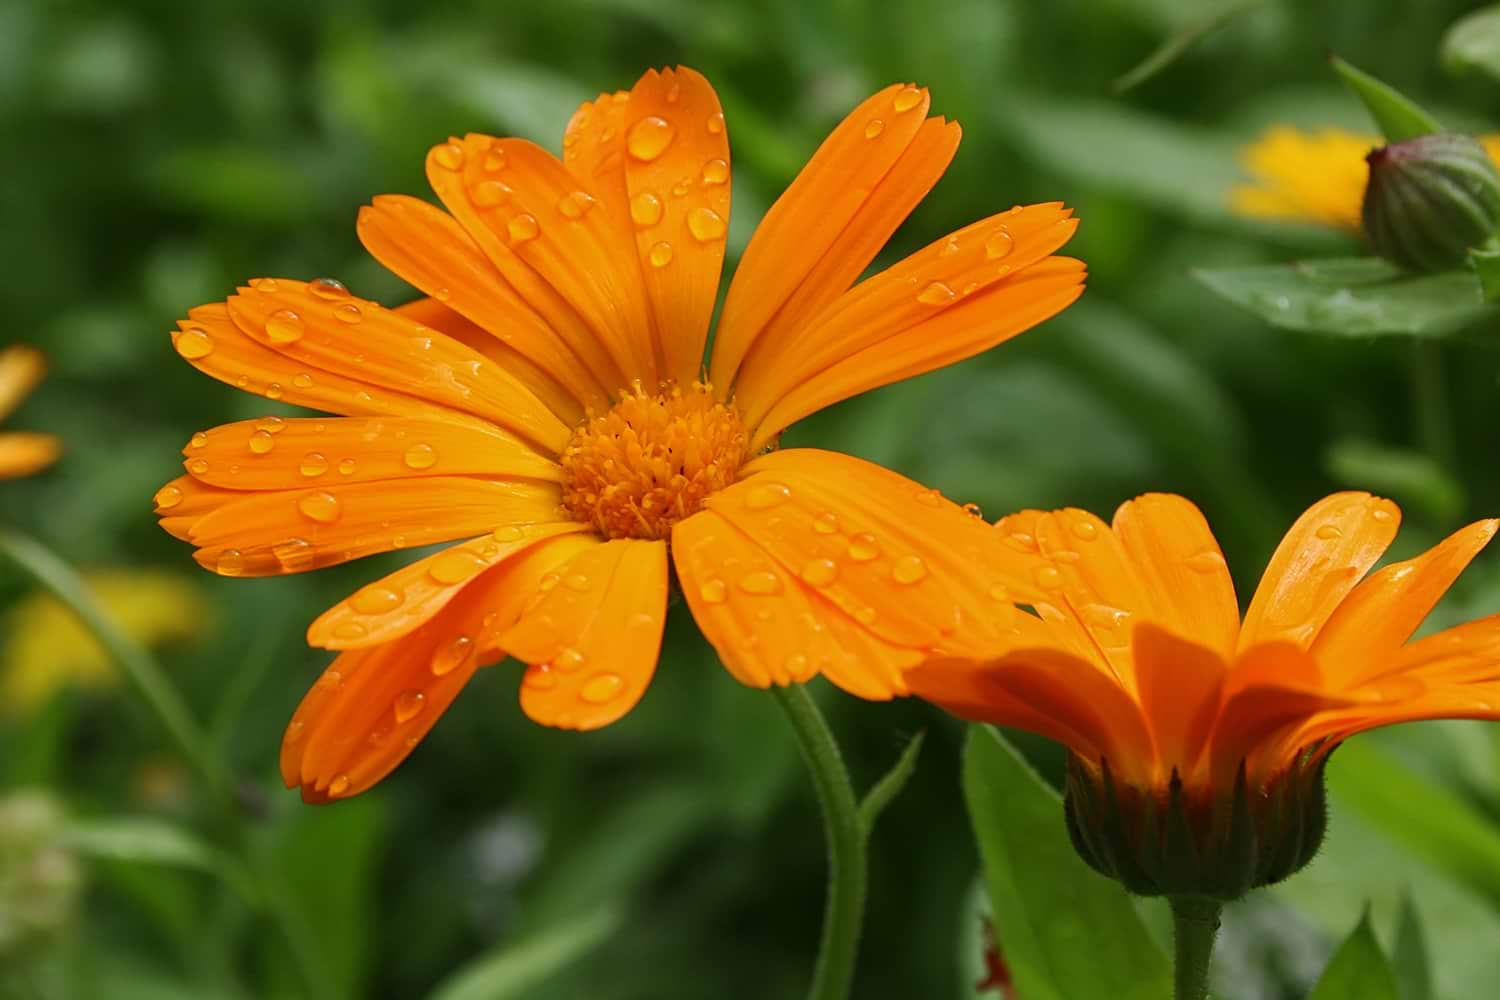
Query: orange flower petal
[974, 325]
[1319, 561]
[372, 706]
[1464, 654]
[940, 278]
[538, 224]
[593, 635]
[1339, 722]
[1382, 612]
[280, 454]
[594, 152]
[431, 251]
[806, 220]
[676, 166]
[1178, 561]
[910, 566]
[395, 605]
[22, 454]
[1179, 683]
[21, 368]
[292, 531]
[778, 630]
[310, 323]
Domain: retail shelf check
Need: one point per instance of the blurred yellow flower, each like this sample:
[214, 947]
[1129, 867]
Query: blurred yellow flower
[1311, 176]
[47, 647]
[21, 368]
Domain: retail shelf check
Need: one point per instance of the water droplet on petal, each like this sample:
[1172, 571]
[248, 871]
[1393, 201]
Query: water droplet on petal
[420, 456]
[645, 209]
[767, 495]
[455, 566]
[284, 327]
[339, 787]
[603, 688]
[649, 137]
[568, 660]
[1085, 530]
[321, 507]
[273, 391]
[660, 255]
[263, 284]
[705, 224]
[494, 160]
[452, 656]
[230, 563]
[929, 498]
[349, 631]
[826, 523]
[865, 616]
[347, 313]
[999, 244]
[577, 582]
[908, 569]
[907, 99]
[523, 227]
[715, 172]
[760, 582]
[271, 425]
[1206, 562]
[713, 592]
[346, 467]
[198, 467]
[575, 204]
[261, 442]
[935, 294]
[376, 600]
[715, 123]
[863, 548]
[168, 497]
[449, 155]
[328, 289]
[194, 343]
[539, 677]
[508, 533]
[1381, 514]
[820, 572]
[1329, 532]
[873, 129]
[1047, 577]
[296, 555]
[488, 194]
[200, 440]
[313, 464]
[409, 705]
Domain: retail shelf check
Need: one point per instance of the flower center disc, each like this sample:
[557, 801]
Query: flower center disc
[651, 461]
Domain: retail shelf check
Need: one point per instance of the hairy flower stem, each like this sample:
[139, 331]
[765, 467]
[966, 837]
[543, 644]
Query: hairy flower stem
[1195, 924]
[844, 914]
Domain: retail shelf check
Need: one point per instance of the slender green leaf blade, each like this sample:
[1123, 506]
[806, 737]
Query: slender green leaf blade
[1472, 43]
[1352, 297]
[1359, 970]
[1398, 116]
[146, 840]
[514, 971]
[890, 784]
[1409, 955]
[1067, 932]
[1412, 478]
[1172, 49]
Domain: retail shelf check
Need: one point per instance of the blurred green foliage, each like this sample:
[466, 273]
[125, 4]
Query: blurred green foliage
[157, 154]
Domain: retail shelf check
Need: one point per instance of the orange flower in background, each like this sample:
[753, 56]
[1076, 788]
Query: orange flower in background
[549, 404]
[21, 453]
[1311, 176]
[1137, 661]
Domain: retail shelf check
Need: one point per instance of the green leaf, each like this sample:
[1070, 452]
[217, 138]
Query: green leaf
[1352, 297]
[1427, 819]
[1176, 44]
[1411, 477]
[515, 970]
[145, 840]
[1472, 43]
[1359, 970]
[890, 784]
[1398, 116]
[1067, 932]
[1409, 955]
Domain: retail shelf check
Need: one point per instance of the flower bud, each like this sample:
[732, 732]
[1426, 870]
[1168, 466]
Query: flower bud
[1430, 200]
[1165, 842]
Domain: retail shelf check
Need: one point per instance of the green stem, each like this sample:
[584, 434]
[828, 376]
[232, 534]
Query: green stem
[844, 913]
[1433, 414]
[1195, 924]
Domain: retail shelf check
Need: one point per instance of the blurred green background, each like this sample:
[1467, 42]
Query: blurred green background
[156, 154]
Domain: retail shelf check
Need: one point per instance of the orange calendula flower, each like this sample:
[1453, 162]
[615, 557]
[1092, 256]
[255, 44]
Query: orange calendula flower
[1311, 176]
[22, 454]
[548, 405]
[1177, 711]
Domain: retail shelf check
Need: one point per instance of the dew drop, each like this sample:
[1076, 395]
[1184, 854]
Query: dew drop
[649, 137]
[1047, 577]
[574, 205]
[347, 313]
[409, 705]
[974, 510]
[294, 731]
[1021, 541]
[296, 555]
[1329, 532]
[198, 467]
[200, 440]
[271, 425]
[568, 660]
[494, 160]
[313, 465]
[1380, 514]
[339, 787]
[452, 656]
[760, 582]
[713, 592]
[660, 255]
[273, 391]
[539, 678]
[863, 548]
[908, 569]
[1085, 530]
[349, 631]
[865, 616]
[508, 533]
[168, 497]
[302, 380]
[645, 209]
[321, 507]
[705, 224]
[768, 495]
[907, 99]
[376, 600]
[999, 244]
[998, 593]
[284, 327]
[455, 566]
[949, 247]
[715, 123]
[263, 284]
[488, 194]
[261, 442]
[935, 294]
[328, 289]
[929, 498]
[715, 172]
[346, 467]
[231, 562]
[420, 456]
[820, 572]
[194, 343]
[796, 665]
[602, 688]
[873, 129]
[523, 227]
[449, 155]
[826, 523]
[1206, 562]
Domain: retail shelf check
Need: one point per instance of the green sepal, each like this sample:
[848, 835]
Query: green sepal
[1397, 116]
